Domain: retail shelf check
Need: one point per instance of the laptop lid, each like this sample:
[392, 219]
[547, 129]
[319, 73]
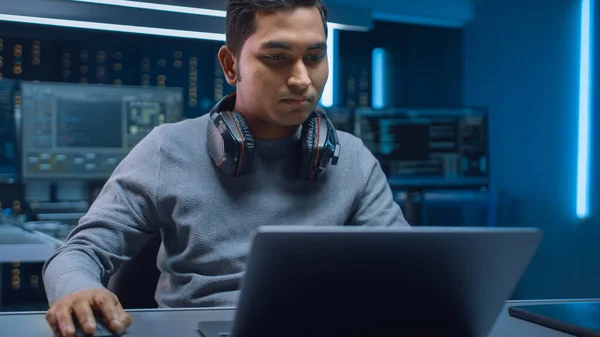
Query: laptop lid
[364, 281]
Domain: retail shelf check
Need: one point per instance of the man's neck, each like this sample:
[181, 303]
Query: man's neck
[262, 130]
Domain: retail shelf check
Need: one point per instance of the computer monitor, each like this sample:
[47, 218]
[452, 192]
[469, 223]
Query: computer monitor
[9, 158]
[82, 131]
[428, 147]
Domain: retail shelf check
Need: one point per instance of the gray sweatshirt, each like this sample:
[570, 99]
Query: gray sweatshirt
[168, 183]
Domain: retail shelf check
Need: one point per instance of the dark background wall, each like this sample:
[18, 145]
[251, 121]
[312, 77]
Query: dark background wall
[522, 60]
[425, 64]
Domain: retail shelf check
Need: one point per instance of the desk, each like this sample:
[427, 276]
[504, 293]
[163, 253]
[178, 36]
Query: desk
[183, 322]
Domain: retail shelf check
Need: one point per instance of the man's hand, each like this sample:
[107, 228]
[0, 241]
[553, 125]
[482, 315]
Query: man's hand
[81, 306]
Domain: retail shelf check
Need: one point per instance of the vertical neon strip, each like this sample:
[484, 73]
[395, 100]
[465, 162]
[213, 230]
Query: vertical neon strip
[328, 92]
[378, 74]
[583, 150]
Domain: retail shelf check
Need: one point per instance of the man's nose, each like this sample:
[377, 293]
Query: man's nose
[299, 78]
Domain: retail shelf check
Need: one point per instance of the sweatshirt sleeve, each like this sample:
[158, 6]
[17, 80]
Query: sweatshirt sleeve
[376, 205]
[120, 221]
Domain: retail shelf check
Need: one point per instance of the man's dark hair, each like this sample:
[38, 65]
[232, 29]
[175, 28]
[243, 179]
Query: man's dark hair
[241, 17]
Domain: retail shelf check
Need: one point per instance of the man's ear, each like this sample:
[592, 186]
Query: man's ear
[228, 63]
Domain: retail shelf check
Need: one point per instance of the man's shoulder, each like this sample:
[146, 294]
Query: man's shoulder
[353, 147]
[348, 139]
[187, 131]
[355, 158]
[190, 127]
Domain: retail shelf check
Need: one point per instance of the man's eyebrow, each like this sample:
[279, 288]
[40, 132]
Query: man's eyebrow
[318, 45]
[287, 46]
[276, 45]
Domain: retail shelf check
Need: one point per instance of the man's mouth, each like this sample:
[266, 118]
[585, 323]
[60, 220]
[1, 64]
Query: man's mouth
[297, 101]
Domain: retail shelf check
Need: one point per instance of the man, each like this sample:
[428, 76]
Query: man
[173, 182]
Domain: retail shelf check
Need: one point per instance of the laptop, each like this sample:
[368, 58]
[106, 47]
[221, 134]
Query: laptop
[365, 281]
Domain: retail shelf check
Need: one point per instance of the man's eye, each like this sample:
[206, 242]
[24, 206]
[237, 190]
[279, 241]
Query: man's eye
[273, 57]
[315, 58]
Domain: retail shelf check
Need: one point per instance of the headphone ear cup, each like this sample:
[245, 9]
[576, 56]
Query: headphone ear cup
[247, 151]
[244, 129]
[309, 142]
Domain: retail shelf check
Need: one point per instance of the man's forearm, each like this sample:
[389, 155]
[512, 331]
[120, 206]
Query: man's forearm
[68, 272]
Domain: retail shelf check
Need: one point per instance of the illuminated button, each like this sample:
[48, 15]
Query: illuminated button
[111, 161]
[90, 167]
[32, 160]
[61, 157]
[45, 167]
[79, 161]
[45, 156]
[90, 156]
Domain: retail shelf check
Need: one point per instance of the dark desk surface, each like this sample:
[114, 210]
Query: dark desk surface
[183, 322]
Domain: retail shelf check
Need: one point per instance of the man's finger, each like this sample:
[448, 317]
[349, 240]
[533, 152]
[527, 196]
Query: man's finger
[51, 319]
[85, 316]
[123, 315]
[56, 331]
[107, 306]
[65, 320]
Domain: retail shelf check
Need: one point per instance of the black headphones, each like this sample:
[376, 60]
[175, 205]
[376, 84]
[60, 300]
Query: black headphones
[231, 144]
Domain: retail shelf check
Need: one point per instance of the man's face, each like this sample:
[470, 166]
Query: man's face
[282, 67]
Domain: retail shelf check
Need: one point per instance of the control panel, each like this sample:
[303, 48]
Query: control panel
[77, 131]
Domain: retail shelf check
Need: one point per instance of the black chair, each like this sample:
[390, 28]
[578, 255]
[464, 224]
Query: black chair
[135, 281]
